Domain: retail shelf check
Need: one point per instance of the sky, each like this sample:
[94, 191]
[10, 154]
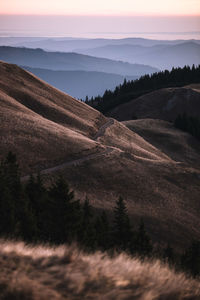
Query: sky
[101, 7]
[100, 18]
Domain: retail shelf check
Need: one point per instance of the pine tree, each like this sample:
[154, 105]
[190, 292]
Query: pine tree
[7, 207]
[11, 204]
[102, 231]
[191, 259]
[87, 233]
[142, 242]
[64, 212]
[168, 254]
[122, 228]
[16, 218]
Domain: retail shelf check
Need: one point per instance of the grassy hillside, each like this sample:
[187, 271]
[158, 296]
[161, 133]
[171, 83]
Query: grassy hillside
[39, 122]
[178, 145]
[103, 159]
[164, 104]
[67, 273]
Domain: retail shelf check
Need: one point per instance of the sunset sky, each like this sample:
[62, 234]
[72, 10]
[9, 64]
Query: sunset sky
[101, 7]
[81, 17]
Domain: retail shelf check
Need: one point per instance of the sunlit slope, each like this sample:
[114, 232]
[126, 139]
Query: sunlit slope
[41, 272]
[40, 124]
[47, 101]
[46, 127]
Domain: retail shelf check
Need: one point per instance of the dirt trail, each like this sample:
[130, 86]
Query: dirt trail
[103, 128]
[79, 161]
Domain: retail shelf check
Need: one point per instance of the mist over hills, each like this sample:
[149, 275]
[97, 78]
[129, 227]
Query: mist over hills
[72, 44]
[80, 84]
[38, 58]
[53, 133]
[162, 56]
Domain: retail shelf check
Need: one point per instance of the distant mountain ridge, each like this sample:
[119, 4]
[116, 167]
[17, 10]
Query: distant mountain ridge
[38, 58]
[162, 56]
[80, 84]
[72, 44]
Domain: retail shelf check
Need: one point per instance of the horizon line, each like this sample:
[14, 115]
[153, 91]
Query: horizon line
[100, 15]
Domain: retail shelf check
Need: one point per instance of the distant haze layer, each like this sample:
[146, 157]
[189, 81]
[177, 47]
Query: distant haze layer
[182, 27]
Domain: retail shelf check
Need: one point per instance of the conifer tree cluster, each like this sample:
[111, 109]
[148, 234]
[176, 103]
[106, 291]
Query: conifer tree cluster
[190, 124]
[34, 213]
[130, 90]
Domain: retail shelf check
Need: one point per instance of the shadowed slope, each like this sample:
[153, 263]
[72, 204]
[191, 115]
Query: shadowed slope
[178, 145]
[164, 104]
[66, 273]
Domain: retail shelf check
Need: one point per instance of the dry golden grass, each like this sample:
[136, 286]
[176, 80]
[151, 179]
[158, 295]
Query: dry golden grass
[50, 103]
[42, 272]
[122, 138]
[40, 124]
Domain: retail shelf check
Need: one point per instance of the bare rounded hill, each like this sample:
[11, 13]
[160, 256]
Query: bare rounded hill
[178, 145]
[163, 104]
[55, 134]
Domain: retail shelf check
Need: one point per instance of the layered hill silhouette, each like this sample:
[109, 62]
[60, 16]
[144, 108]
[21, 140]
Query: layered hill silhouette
[80, 84]
[164, 104]
[38, 58]
[54, 134]
[158, 54]
[75, 44]
[162, 56]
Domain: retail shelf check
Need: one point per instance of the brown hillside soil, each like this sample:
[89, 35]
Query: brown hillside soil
[55, 134]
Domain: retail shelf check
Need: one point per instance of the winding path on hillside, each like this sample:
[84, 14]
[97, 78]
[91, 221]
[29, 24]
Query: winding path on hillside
[103, 128]
[79, 161]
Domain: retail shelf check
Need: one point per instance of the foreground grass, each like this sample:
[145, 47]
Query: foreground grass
[44, 272]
